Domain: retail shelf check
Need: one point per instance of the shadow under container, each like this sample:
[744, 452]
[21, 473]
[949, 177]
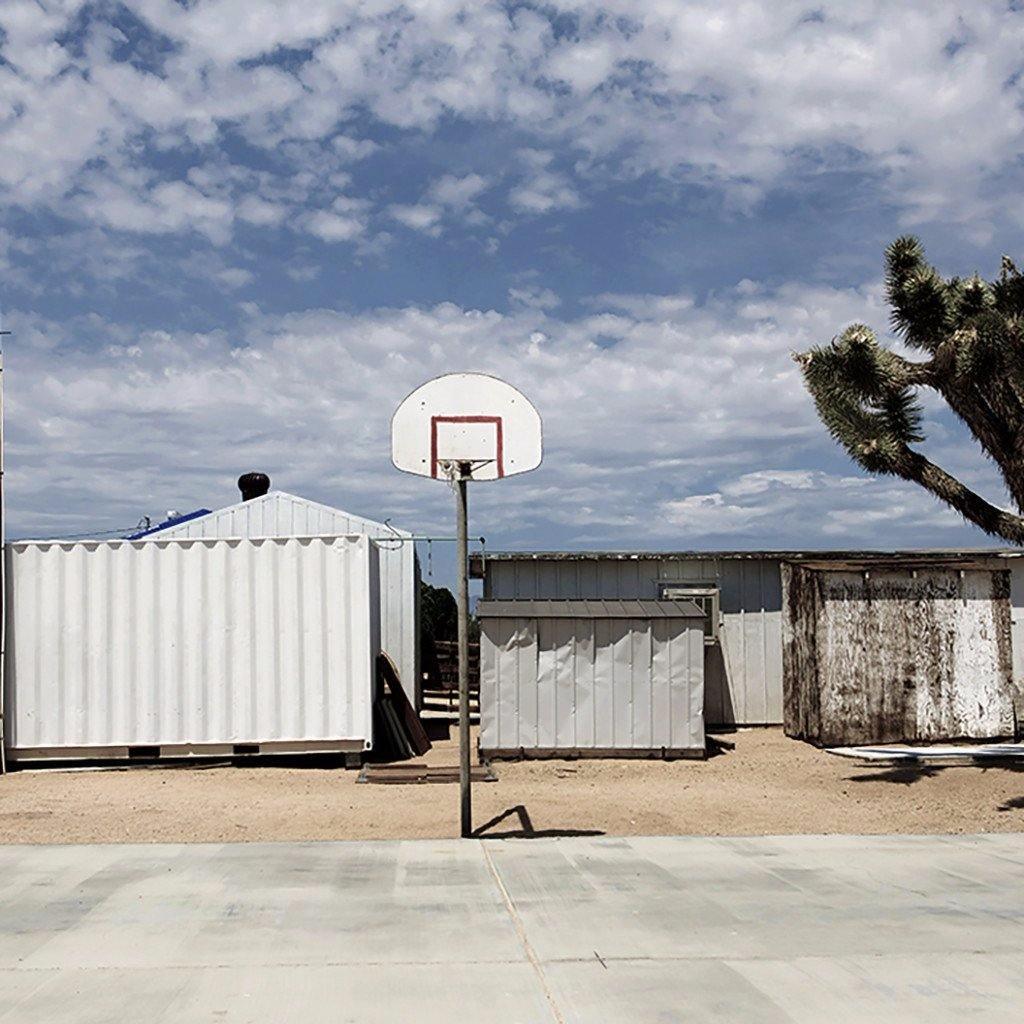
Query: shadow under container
[567, 678]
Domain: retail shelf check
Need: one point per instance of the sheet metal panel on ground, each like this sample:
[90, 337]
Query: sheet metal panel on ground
[279, 514]
[591, 678]
[191, 646]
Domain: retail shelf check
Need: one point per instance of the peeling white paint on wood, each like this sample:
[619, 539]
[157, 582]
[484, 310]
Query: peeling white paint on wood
[885, 655]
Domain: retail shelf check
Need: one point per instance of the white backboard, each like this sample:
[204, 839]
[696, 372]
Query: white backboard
[468, 420]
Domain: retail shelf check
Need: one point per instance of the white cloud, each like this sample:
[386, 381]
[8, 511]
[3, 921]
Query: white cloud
[235, 277]
[449, 196]
[682, 431]
[255, 210]
[741, 97]
[853, 510]
[457, 192]
[534, 296]
[542, 189]
[419, 216]
[345, 221]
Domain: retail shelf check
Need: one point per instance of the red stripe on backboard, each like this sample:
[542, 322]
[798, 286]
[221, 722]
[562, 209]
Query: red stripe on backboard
[499, 439]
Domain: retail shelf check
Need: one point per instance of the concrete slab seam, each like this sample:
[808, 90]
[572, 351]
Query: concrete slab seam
[517, 923]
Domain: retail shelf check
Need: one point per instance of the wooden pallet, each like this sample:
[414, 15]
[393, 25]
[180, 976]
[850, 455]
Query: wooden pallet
[417, 774]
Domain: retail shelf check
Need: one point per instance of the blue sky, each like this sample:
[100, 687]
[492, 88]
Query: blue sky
[236, 233]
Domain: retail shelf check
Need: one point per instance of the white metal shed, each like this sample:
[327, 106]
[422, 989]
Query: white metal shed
[591, 678]
[279, 514]
[172, 647]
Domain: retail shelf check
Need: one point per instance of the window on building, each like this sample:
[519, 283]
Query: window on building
[702, 595]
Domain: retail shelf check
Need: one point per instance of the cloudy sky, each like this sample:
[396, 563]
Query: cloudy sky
[235, 233]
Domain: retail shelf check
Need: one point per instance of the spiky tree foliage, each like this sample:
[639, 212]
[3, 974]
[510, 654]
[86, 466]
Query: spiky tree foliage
[971, 334]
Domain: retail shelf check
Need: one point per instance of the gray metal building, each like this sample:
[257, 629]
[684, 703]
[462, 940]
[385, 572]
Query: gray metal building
[741, 592]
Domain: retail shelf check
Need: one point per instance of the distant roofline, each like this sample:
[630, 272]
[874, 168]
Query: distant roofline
[310, 502]
[478, 559]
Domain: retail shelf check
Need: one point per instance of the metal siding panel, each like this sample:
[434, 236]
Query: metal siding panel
[664, 666]
[695, 684]
[524, 706]
[548, 631]
[584, 683]
[755, 704]
[492, 634]
[587, 581]
[608, 581]
[566, 579]
[499, 580]
[604, 684]
[565, 689]
[547, 579]
[622, 683]
[629, 580]
[772, 582]
[641, 682]
[189, 642]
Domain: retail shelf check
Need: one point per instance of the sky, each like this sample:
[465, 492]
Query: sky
[234, 234]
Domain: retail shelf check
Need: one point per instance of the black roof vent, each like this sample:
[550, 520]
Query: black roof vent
[253, 485]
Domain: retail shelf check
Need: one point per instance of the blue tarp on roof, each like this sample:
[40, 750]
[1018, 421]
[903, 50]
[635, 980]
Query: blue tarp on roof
[168, 523]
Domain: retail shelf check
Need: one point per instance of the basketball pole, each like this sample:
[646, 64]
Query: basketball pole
[461, 514]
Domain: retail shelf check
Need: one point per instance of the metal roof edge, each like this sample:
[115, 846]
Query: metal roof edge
[309, 503]
[478, 560]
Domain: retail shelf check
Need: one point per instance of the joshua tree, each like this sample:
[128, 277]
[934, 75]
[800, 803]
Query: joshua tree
[972, 332]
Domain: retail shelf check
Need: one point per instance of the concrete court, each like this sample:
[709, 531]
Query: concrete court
[798, 928]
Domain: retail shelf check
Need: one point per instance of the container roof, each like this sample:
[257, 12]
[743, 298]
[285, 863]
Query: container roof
[169, 522]
[282, 511]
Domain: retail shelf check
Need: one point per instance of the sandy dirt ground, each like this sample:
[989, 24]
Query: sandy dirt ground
[765, 784]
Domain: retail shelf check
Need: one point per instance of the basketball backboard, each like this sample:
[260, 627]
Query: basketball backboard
[466, 424]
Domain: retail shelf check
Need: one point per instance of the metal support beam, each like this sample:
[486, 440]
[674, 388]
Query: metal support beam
[461, 514]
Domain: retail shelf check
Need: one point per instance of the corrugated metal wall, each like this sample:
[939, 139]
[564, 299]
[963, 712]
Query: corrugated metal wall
[158, 642]
[743, 672]
[590, 685]
[279, 514]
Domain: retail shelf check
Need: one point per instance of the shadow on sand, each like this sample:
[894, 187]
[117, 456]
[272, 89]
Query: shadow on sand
[526, 829]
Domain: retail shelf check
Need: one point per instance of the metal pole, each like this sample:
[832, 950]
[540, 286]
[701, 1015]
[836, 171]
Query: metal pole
[463, 603]
[3, 579]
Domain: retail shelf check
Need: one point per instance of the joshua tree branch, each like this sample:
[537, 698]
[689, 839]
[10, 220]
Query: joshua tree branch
[995, 521]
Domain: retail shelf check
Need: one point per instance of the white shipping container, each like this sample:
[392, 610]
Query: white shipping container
[279, 514]
[192, 646]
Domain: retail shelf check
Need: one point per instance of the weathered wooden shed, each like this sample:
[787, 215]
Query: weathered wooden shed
[880, 651]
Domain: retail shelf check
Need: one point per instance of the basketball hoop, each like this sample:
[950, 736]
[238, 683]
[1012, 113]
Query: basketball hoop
[457, 428]
[466, 418]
